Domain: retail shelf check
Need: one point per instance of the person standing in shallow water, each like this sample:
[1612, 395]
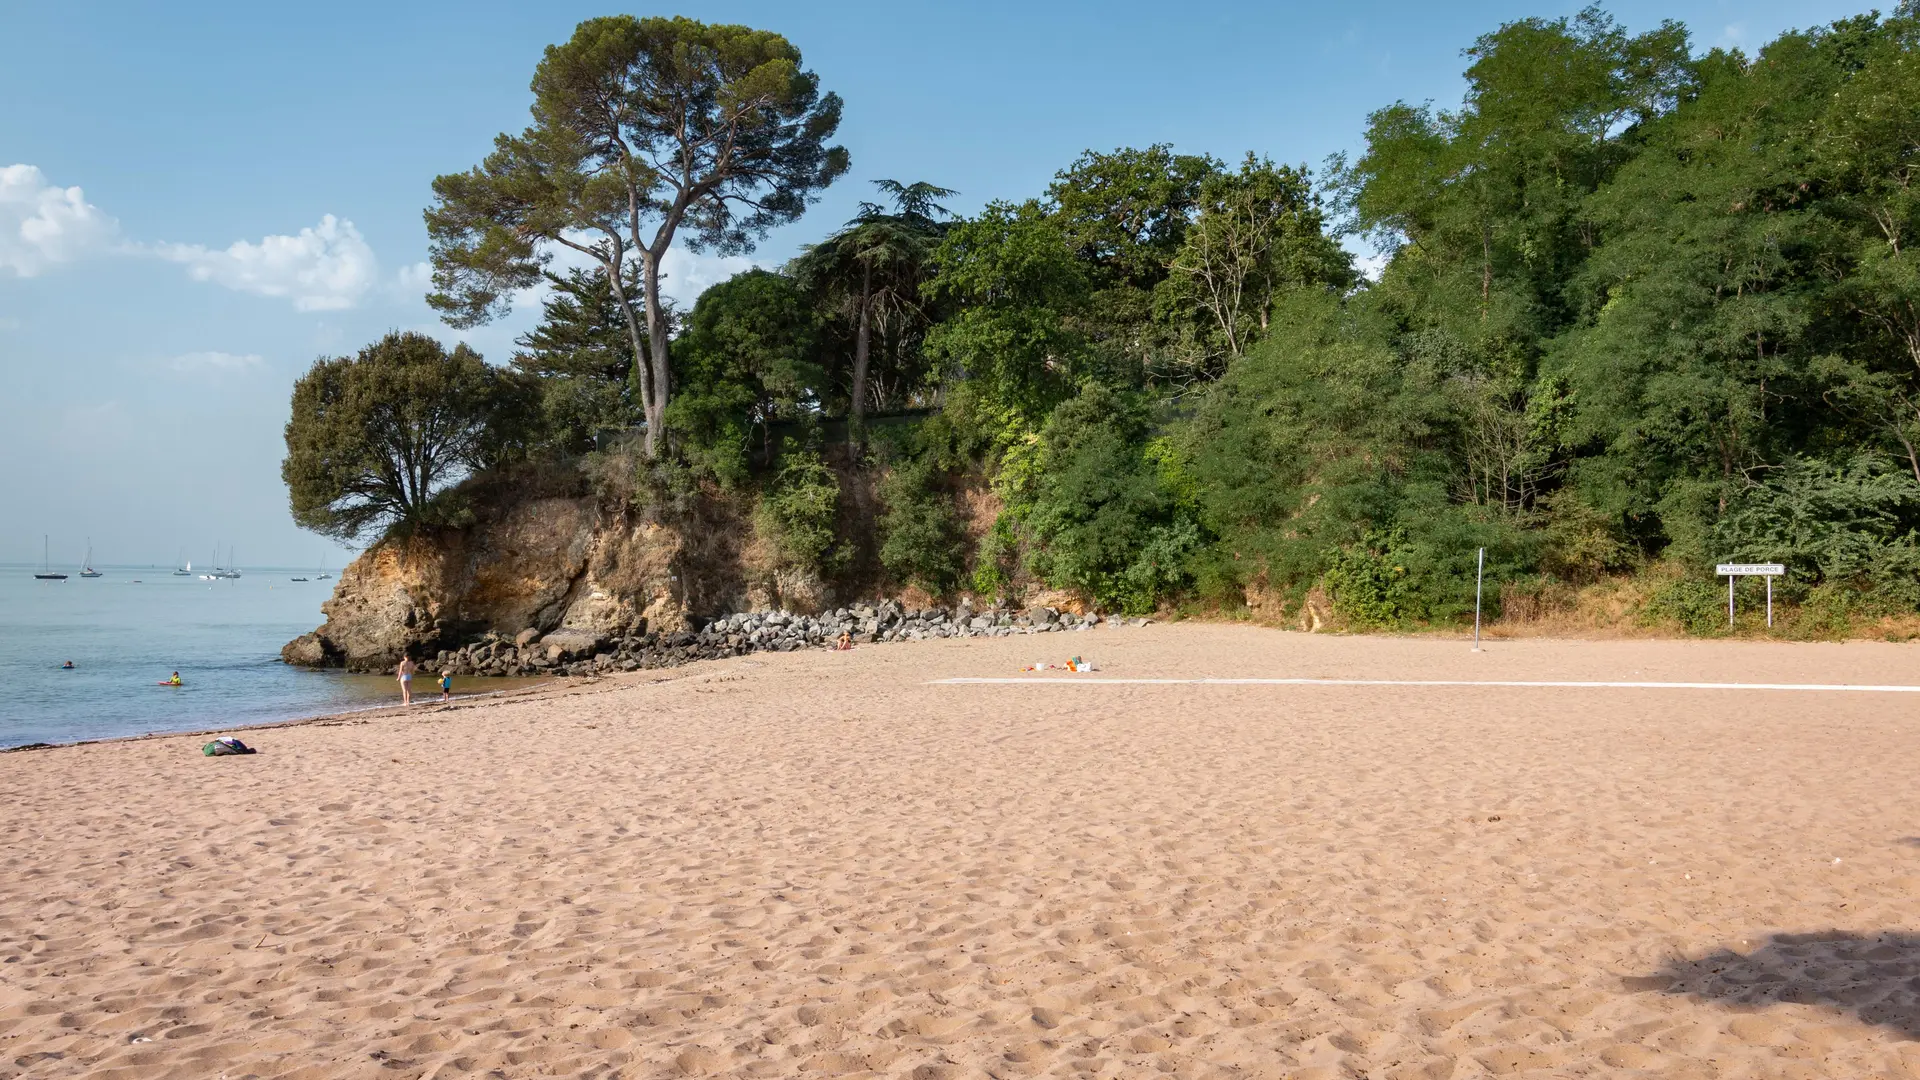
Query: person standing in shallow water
[405, 672]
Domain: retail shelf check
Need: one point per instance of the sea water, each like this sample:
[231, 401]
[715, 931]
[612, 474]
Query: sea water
[128, 630]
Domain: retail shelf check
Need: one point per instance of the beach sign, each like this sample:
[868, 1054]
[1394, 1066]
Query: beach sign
[1734, 571]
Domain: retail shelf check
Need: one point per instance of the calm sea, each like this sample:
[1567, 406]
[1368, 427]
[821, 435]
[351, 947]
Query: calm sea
[134, 627]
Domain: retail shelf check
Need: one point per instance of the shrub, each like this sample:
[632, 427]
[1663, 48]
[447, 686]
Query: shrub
[1370, 584]
[921, 541]
[1104, 523]
[995, 559]
[1850, 522]
[1697, 606]
[796, 513]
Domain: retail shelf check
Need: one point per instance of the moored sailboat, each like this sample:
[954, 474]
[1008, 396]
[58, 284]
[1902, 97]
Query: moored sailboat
[86, 568]
[46, 567]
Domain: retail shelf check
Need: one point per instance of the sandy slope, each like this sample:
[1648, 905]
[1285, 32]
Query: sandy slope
[818, 864]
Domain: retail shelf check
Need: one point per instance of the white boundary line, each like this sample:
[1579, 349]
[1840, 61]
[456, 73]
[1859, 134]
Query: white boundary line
[1855, 687]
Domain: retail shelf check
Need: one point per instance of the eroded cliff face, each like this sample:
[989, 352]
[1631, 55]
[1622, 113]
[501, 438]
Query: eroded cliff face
[540, 564]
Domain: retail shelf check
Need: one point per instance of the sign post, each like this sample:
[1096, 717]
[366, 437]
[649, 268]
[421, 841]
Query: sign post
[1733, 571]
[1479, 579]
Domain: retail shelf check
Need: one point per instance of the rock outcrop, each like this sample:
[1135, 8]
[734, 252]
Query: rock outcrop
[553, 583]
[534, 568]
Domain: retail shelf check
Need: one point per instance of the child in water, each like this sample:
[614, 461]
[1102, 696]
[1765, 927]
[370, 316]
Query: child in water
[446, 686]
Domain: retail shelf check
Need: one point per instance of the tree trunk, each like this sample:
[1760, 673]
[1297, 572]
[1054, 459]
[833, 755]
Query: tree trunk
[656, 359]
[862, 346]
[641, 375]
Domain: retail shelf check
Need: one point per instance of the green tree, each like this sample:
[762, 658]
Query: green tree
[1260, 230]
[1105, 523]
[376, 438]
[1010, 282]
[871, 273]
[580, 359]
[921, 541]
[1125, 214]
[642, 128]
[749, 357]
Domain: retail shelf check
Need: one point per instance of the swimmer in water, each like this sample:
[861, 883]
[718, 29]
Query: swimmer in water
[175, 681]
[68, 666]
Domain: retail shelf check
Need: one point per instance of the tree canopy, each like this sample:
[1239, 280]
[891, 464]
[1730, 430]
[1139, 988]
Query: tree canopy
[378, 437]
[641, 128]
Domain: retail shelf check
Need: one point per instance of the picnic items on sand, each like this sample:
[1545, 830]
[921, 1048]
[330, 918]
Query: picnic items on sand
[1075, 664]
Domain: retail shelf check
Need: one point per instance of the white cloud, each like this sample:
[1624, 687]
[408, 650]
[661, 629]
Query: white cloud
[413, 279]
[215, 361]
[325, 268]
[1371, 265]
[41, 224]
[690, 273]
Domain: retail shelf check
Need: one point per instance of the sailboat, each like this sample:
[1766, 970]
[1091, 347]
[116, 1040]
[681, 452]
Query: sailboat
[323, 569]
[231, 573]
[87, 569]
[184, 571]
[47, 573]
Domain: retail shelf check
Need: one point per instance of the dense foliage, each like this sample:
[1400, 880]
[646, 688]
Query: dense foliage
[1638, 309]
[376, 440]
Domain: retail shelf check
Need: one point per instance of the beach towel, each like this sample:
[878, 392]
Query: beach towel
[225, 745]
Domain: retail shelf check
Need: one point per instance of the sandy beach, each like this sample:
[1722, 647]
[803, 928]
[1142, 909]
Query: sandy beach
[821, 864]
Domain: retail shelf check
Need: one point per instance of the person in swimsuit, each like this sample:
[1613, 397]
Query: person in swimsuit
[175, 681]
[68, 666]
[405, 671]
[446, 686]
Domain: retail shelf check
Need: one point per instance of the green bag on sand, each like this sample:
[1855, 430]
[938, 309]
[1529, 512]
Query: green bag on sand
[225, 745]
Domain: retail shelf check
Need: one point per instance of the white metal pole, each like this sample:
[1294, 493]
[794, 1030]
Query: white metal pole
[1730, 581]
[1479, 581]
[1769, 601]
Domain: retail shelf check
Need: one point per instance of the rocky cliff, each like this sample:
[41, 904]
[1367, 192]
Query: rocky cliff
[542, 564]
[542, 560]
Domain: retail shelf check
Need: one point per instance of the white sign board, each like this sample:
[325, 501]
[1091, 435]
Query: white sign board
[1749, 569]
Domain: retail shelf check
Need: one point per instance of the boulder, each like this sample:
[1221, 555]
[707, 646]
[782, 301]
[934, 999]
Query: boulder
[309, 650]
[567, 643]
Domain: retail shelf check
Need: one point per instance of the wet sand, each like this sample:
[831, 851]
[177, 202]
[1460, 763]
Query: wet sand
[828, 864]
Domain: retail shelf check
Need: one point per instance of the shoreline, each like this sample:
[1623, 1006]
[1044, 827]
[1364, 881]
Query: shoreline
[292, 721]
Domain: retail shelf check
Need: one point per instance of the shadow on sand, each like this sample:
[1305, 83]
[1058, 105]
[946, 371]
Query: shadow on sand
[1875, 978]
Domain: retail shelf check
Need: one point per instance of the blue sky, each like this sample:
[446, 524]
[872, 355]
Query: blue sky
[198, 200]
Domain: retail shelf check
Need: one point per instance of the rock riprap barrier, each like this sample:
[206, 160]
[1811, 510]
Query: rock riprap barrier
[577, 652]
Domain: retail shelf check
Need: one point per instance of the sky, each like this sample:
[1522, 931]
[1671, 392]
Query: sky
[197, 201]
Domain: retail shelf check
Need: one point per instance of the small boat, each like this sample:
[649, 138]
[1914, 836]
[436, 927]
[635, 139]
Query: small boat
[184, 571]
[46, 568]
[87, 567]
[297, 579]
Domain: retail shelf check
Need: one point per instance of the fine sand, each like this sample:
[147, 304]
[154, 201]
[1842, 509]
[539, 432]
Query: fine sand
[821, 864]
